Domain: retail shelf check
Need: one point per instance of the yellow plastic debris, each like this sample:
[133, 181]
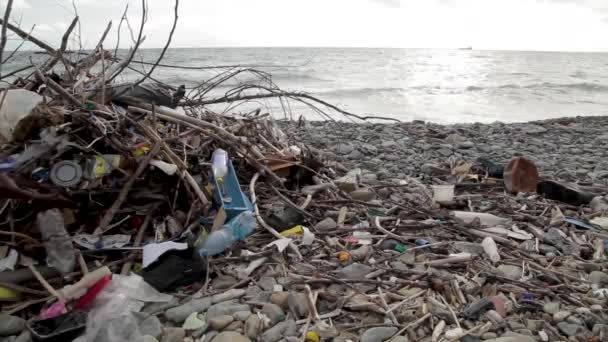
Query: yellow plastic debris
[295, 230]
[312, 336]
[343, 256]
[9, 295]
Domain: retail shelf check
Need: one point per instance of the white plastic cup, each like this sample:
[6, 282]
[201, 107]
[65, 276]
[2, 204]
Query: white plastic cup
[443, 193]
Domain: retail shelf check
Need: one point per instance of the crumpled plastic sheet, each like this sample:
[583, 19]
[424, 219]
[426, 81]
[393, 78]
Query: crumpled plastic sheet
[114, 315]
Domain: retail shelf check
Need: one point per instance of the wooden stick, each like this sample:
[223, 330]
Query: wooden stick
[266, 226]
[126, 267]
[7, 15]
[122, 196]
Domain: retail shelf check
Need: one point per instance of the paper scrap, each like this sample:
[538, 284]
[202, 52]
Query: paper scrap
[10, 261]
[153, 251]
[91, 241]
[308, 237]
[281, 244]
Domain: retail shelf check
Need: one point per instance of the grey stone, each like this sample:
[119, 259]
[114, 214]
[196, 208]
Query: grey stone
[526, 332]
[600, 329]
[465, 145]
[223, 282]
[517, 338]
[298, 304]
[513, 325]
[151, 326]
[488, 336]
[355, 271]
[228, 295]
[510, 271]
[273, 312]
[561, 316]
[400, 339]
[230, 336]
[241, 315]
[11, 325]
[363, 194]
[253, 326]
[25, 336]
[598, 278]
[575, 320]
[174, 335]
[378, 334]
[535, 324]
[445, 152]
[454, 139]
[355, 155]
[280, 299]
[267, 283]
[210, 335]
[275, 333]
[220, 322]
[326, 224]
[179, 313]
[226, 308]
[551, 307]
[570, 329]
[235, 326]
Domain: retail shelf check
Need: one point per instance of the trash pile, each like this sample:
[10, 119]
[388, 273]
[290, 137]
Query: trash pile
[127, 217]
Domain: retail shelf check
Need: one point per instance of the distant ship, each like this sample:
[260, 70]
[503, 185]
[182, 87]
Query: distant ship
[466, 48]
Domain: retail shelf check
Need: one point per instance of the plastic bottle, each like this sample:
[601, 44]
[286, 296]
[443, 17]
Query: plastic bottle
[235, 230]
[219, 163]
[489, 246]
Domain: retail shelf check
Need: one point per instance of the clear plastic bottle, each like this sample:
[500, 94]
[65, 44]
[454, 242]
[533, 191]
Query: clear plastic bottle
[219, 163]
[235, 230]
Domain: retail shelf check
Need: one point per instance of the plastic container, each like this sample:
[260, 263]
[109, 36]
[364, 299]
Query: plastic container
[219, 163]
[443, 193]
[235, 230]
[227, 193]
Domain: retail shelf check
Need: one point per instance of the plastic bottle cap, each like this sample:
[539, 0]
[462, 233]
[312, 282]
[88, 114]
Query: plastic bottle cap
[66, 173]
[312, 336]
[343, 256]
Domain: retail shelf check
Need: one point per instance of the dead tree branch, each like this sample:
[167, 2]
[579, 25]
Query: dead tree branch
[7, 15]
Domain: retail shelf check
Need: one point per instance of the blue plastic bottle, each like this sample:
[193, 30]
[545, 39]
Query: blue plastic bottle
[235, 230]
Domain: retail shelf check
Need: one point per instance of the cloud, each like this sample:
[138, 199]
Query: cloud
[390, 3]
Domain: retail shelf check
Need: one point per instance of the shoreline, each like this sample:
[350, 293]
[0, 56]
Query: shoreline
[571, 149]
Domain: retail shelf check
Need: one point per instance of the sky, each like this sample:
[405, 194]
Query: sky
[545, 25]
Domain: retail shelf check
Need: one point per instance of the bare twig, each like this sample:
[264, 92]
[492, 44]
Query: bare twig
[7, 15]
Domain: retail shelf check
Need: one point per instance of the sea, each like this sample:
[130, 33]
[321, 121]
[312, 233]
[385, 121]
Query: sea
[438, 85]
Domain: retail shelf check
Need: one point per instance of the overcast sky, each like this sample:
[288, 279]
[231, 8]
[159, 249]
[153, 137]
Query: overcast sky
[572, 25]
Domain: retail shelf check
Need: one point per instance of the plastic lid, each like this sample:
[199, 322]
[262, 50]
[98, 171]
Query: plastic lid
[66, 173]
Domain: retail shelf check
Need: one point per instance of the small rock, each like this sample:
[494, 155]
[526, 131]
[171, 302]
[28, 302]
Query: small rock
[596, 308]
[144, 338]
[151, 326]
[551, 307]
[465, 145]
[326, 224]
[226, 308]
[230, 336]
[364, 194]
[253, 326]
[400, 339]
[598, 278]
[241, 315]
[267, 283]
[273, 312]
[193, 322]
[513, 338]
[220, 322]
[543, 336]
[11, 325]
[535, 324]
[298, 304]
[361, 253]
[378, 334]
[570, 329]
[223, 282]
[174, 335]
[179, 313]
[488, 336]
[575, 320]
[281, 329]
[26, 336]
[561, 315]
[600, 329]
[513, 325]
[510, 271]
[235, 326]
[228, 295]
[355, 271]
[210, 335]
[280, 299]
[454, 139]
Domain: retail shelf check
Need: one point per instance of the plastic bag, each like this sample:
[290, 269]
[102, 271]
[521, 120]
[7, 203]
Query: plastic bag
[114, 313]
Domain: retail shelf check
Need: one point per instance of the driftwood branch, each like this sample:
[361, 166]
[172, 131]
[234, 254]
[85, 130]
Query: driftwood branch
[277, 93]
[7, 15]
[29, 37]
